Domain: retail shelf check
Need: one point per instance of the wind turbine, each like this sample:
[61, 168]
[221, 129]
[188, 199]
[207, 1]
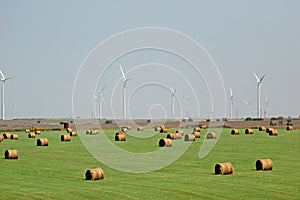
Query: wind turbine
[173, 92]
[231, 102]
[3, 79]
[266, 105]
[101, 100]
[124, 80]
[258, 81]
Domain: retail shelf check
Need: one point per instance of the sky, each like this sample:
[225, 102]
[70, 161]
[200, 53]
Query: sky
[44, 45]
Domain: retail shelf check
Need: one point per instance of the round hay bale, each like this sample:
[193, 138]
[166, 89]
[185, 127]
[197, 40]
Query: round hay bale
[73, 134]
[171, 136]
[165, 142]
[180, 131]
[42, 142]
[124, 129]
[289, 128]
[196, 129]
[121, 137]
[31, 135]
[94, 132]
[178, 135]
[197, 134]
[262, 128]
[69, 130]
[264, 164]
[203, 127]
[249, 131]
[14, 137]
[157, 128]
[211, 136]
[224, 168]
[140, 128]
[189, 137]
[269, 129]
[273, 132]
[27, 131]
[163, 129]
[6, 135]
[65, 138]
[1, 138]
[11, 154]
[235, 132]
[94, 174]
[37, 132]
[88, 132]
[129, 128]
[120, 133]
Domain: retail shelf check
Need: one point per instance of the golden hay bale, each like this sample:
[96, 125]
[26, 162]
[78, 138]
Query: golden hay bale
[6, 135]
[69, 130]
[165, 142]
[42, 142]
[37, 132]
[235, 132]
[289, 128]
[124, 129]
[140, 128]
[94, 132]
[120, 133]
[14, 136]
[73, 134]
[65, 138]
[264, 164]
[163, 130]
[273, 132]
[180, 131]
[157, 128]
[11, 154]
[27, 131]
[129, 127]
[189, 137]
[211, 136]
[224, 168]
[31, 135]
[121, 137]
[269, 129]
[197, 134]
[94, 174]
[196, 129]
[173, 136]
[88, 132]
[262, 128]
[1, 138]
[249, 131]
[203, 127]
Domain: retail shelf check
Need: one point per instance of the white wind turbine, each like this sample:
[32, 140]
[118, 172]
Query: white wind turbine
[3, 79]
[258, 81]
[266, 105]
[231, 102]
[124, 80]
[100, 99]
[173, 92]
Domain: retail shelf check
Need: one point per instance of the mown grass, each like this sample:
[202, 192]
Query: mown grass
[57, 171]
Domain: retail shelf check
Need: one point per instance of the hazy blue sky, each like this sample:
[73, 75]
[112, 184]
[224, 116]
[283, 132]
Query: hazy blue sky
[43, 44]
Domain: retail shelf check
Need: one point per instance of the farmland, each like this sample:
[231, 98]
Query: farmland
[57, 171]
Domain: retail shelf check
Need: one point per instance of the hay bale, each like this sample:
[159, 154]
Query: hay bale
[196, 129]
[197, 134]
[129, 128]
[224, 168]
[11, 154]
[163, 130]
[211, 136]
[262, 128]
[289, 128]
[203, 127]
[171, 136]
[120, 133]
[14, 136]
[264, 164]
[37, 132]
[65, 138]
[249, 131]
[94, 174]
[124, 129]
[42, 142]
[273, 132]
[31, 135]
[1, 138]
[27, 131]
[269, 129]
[157, 128]
[120, 137]
[69, 130]
[73, 134]
[235, 132]
[88, 132]
[189, 137]
[180, 131]
[6, 135]
[140, 128]
[165, 142]
[94, 132]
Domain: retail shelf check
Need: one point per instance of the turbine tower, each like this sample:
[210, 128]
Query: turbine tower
[173, 92]
[247, 104]
[231, 102]
[101, 101]
[3, 79]
[124, 80]
[266, 105]
[258, 81]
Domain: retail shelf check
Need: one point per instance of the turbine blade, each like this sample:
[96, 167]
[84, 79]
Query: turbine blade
[2, 75]
[261, 79]
[246, 102]
[122, 72]
[257, 79]
[231, 93]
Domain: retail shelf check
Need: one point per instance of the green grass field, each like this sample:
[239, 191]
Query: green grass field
[58, 171]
